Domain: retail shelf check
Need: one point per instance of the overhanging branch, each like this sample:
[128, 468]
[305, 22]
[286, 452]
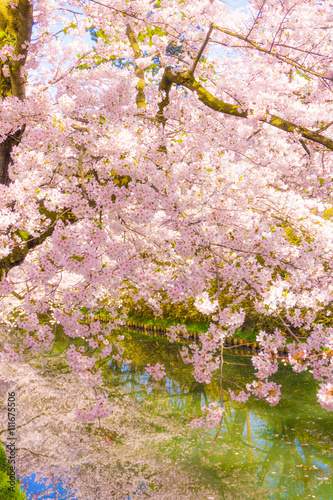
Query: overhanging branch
[187, 80]
[20, 252]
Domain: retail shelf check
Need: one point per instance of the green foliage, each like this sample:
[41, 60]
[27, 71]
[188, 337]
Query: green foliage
[22, 234]
[6, 492]
[120, 180]
[150, 32]
[187, 314]
[291, 236]
[180, 313]
[67, 28]
[328, 213]
[303, 75]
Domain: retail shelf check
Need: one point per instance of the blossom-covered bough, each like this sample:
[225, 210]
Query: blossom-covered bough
[139, 160]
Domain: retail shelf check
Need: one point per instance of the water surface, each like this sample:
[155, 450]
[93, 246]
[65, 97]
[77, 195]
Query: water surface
[262, 452]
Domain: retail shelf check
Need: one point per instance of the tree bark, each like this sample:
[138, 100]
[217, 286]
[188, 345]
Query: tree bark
[5, 155]
[187, 80]
[16, 25]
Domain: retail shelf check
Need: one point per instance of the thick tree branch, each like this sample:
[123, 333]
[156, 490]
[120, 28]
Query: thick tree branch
[25, 22]
[15, 26]
[187, 80]
[5, 154]
[140, 97]
[164, 86]
[20, 252]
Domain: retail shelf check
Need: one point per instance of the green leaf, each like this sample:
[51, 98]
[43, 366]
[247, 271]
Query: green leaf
[23, 234]
[76, 257]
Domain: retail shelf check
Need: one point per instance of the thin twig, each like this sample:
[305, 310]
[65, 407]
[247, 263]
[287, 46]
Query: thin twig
[286, 326]
[325, 127]
[255, 45]
[303, 143]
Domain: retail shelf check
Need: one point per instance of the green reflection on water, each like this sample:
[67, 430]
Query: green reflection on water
[263, 452]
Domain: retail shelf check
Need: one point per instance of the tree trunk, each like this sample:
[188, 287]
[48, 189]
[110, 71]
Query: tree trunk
[5, 155]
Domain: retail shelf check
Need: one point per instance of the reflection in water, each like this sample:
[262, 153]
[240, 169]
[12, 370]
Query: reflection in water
[262, 452]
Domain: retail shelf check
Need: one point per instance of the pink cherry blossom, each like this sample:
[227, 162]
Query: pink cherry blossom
[325, 396]
[241, 397]
[213, 414]
[157, 371]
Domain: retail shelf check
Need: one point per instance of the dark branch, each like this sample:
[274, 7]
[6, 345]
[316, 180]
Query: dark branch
[20, 252]
[197, 59]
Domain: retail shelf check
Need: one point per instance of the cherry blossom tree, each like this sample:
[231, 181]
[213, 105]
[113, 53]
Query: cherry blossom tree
[169, 148]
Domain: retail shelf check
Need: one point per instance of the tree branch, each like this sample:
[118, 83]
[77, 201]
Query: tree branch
[304, 146]
[16, 23]
[6, 148]
[164, 86]
[140, 98]
[20, 252]
[197, 59]
[284, 59]
[187, 80]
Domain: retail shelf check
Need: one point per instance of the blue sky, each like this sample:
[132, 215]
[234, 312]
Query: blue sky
[234, 4]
